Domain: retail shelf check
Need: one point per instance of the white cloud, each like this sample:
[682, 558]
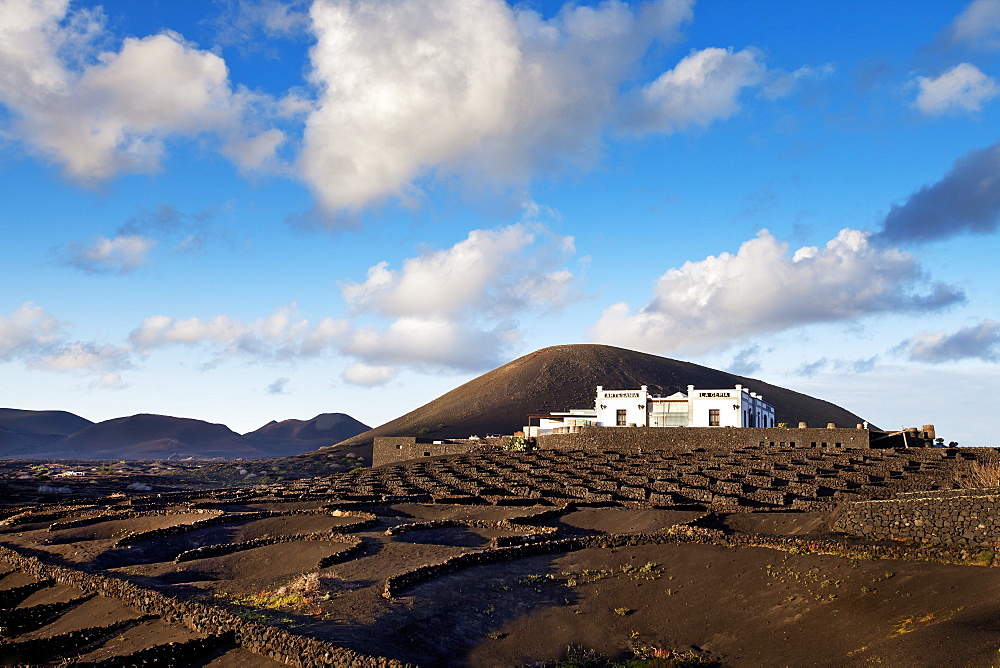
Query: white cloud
[111, 380]
[368, 375]
[26, 331]
[32, 336]
[963, 88]
[452, 307]
[980, 342]
[490, 270]
[429, 341]
[122, 254]
[702, 88]
[80, 356]
[407, 88]
[978, 25]
[283, 334]
[114, 113]
[724, 299]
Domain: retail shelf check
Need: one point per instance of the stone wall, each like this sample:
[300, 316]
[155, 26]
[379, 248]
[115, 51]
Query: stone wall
[962, 517]
[275, 643]
[393, 449]
[638, 439]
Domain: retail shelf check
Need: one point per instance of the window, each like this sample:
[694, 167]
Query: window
[668, 414]
[621, 417]
[713, 417]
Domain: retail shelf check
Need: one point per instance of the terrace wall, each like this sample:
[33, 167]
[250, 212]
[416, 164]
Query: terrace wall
[963, 517]
[393, 449]
[639, 439]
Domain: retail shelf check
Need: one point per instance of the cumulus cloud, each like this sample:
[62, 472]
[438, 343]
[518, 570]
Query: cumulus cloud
[368, 375]
[981, 342]
[118, 255]
[454, 307]
[703, 87]
[978, 26]
[283, 334]
[489, 270]
[429, 341]
[113, 112]
[26, 331]
[962, 89]
[83, 356]
[407, 88]
[37, 339]
[966, 199]
[723, 299]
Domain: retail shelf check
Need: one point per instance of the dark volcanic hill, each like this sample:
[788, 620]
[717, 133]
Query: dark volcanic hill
[563, 377]
[41, 422]
[23, 432]
[332, 427]
[146, 436]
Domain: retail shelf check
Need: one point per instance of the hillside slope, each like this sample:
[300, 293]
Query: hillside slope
[563, 377]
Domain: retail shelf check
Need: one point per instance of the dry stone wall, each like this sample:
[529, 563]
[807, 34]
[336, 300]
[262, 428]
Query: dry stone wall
[643, 439]
[390, 450]
[950, 517]
[275, 643]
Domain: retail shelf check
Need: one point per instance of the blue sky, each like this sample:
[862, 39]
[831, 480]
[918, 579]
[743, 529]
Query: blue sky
[243, 211]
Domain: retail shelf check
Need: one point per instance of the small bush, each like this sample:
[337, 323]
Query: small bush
[518, 444]
[981, 474]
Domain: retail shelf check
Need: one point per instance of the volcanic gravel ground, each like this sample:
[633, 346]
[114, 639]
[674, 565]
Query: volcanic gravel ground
[503, 559]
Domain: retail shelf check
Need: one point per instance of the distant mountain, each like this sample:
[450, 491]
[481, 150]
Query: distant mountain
[23, 432]
[563, 377]
[295, 436]
[336, 426]
[60, 435]
[41, 422]
[146, 436]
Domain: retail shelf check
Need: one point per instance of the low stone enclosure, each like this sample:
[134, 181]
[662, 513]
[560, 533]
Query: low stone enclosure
[879, 503]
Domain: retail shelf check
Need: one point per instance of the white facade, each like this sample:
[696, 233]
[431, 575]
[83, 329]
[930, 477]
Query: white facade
[622, 408]
[738, 407]
[732, 407]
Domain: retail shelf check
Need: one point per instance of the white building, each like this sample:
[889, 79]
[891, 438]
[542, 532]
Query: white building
[736, 407]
